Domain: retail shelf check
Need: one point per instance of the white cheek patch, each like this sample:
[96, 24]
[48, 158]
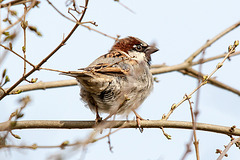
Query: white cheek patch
[138, 56]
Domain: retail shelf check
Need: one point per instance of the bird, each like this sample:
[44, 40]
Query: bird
[117, 82]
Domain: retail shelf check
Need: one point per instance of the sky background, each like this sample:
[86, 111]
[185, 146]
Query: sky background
[177, 27]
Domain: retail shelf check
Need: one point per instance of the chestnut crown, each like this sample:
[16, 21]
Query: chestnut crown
[134, 44]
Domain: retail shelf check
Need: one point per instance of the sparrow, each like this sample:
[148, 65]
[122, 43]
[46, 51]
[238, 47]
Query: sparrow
[117, 82]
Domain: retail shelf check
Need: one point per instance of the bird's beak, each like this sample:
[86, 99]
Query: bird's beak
[151, 50]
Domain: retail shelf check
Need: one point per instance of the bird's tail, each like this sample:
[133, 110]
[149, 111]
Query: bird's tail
[76, 74]
[92, 82]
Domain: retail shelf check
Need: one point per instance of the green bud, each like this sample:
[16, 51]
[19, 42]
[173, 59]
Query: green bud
[4, 73]
[219, 65]
[6, 33]
[16, 136]
[23, 49]
[34, 146]
[236, 43]
[230, 48]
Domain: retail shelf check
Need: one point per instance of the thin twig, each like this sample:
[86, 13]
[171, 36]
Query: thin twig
[228, 147]
[43, 85]
[210, 42]
[188, 62]
[62, 13]
[104, 34]
[25, 60]
[215, 58]
[82, 23]
[62, 146]
[194, 73]
[205, 81]
[196, 142]
[13, 3]
[125, 6]
[48, 56]
[19, 19]
[161, 68]
[55, 70]
[169, 137]
[24, 26]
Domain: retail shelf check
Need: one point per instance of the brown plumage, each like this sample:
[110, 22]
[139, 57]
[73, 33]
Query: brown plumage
[119, 81]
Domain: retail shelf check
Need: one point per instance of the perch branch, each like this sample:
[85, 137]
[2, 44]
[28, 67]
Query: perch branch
[50, 124]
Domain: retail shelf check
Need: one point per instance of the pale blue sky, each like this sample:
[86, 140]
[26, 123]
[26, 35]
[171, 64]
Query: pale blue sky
[178, 28]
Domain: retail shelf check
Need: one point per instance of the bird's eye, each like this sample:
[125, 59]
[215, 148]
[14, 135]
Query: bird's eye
[139, 47]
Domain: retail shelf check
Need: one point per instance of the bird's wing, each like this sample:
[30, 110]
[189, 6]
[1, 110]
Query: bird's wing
[100, 73]
[111, 63]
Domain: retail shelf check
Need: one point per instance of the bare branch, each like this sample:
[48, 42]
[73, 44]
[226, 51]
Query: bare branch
[104, 34]
[44, 85]
[64, 83]
[81, 23]
[193, 73]
[158, 68]
[194, 130]
[13, 3]
[228, 147]
[20, 19]
[48, 124]
[49, 56]
[215, 58]
[210, 42]
[231, 49]
[24, 59]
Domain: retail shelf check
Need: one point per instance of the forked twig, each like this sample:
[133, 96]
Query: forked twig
[47, 57]
[194, 130]
[82, 23]
[205, 80]
[24, 59]
[228, 147]
[19, 19]
[211, 41]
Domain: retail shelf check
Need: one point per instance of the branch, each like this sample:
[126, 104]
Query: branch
[20, 19]
[65, 83]
[163, 68]
[205, 80]
[159, 68]
[215, 58]
[13, 3]
[210, 42]
[24, 59]
[82, 23]
[184, 68]
[195, 142]
[49, 56]
[228, 147]
[50, 124]
[43, 86]
[193, 73]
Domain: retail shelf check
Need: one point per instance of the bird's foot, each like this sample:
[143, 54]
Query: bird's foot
[138, 120]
